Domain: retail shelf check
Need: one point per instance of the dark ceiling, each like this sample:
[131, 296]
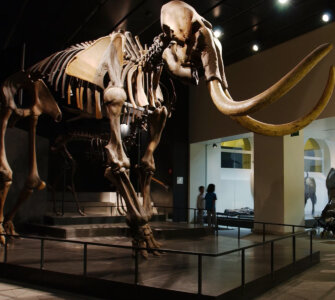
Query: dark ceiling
[49, 26]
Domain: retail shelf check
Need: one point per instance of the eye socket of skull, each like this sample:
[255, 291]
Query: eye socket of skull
[167, 30]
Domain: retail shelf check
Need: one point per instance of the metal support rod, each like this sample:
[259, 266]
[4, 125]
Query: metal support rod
[136, 266]
[272, 258]
[239, 233]
[5, 251]
[42, 255]
[311, 244]
[138, 184]
[293, 229]
[263, 232]
[23, 57]
[199, 274]
[293, 247]
[243, 268]
[19, 16]
[64, 186]
[85, 260]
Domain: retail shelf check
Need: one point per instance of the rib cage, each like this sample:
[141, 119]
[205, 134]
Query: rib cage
[53, 67]
[52, 70]
[86, 96]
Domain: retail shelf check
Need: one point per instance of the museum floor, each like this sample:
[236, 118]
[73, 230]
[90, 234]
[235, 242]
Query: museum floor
[179, 272]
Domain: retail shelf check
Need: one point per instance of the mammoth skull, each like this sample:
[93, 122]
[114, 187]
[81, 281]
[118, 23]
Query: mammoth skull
[194, 49]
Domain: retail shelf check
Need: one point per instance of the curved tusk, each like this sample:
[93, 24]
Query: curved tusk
[288, 128]
[228, 106]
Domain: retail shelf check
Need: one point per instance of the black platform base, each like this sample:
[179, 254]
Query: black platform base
[99, 226]
[76, 219]
[109, 289]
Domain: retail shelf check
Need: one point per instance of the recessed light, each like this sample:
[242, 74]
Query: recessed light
[255, 47]
[218, 32]
[283, 2]
[326, 17]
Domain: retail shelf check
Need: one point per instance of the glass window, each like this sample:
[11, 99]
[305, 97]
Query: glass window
[313, 156]
[236, 154]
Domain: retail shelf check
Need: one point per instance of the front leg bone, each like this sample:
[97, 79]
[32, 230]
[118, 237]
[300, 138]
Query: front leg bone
[157, 122]
[118, 162]
[5, 170]
[114, 98]
[137, 216]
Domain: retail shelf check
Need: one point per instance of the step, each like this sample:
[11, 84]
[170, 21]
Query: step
[76, 219]
[76, 231]
[161, 230]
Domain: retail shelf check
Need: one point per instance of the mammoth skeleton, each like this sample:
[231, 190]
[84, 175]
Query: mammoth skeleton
[104, 77]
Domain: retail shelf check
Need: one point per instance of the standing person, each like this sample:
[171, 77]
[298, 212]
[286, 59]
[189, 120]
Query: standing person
[210, 205]
[201, 204]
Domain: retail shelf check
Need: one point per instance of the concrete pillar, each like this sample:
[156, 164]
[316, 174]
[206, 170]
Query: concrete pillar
[294, 202]
[279, 181]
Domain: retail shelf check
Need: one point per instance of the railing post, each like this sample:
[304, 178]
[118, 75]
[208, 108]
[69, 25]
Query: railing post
[136, 265]
[42, 254]
[272, 258]
[238, 233]
[199, 274]
[85, 260]
[194, 216]
[263, 232]
[5, 251]
[243, 268]
[293, 246]
[311, 244]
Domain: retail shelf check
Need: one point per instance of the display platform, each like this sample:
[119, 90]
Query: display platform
[74, 226]
[111, 271]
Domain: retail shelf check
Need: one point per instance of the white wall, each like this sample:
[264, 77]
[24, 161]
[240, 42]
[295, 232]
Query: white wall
[234, 190]
[294, 179]
[232, 186]
[197, 172]
[331, 147]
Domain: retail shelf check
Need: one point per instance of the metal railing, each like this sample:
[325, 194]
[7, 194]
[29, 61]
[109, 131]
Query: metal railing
[251, 221]
[200, 255]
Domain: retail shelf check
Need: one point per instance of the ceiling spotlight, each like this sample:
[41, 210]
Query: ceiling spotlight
[283, 2]
[326, 17]
[218, 32]
[255, 47]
